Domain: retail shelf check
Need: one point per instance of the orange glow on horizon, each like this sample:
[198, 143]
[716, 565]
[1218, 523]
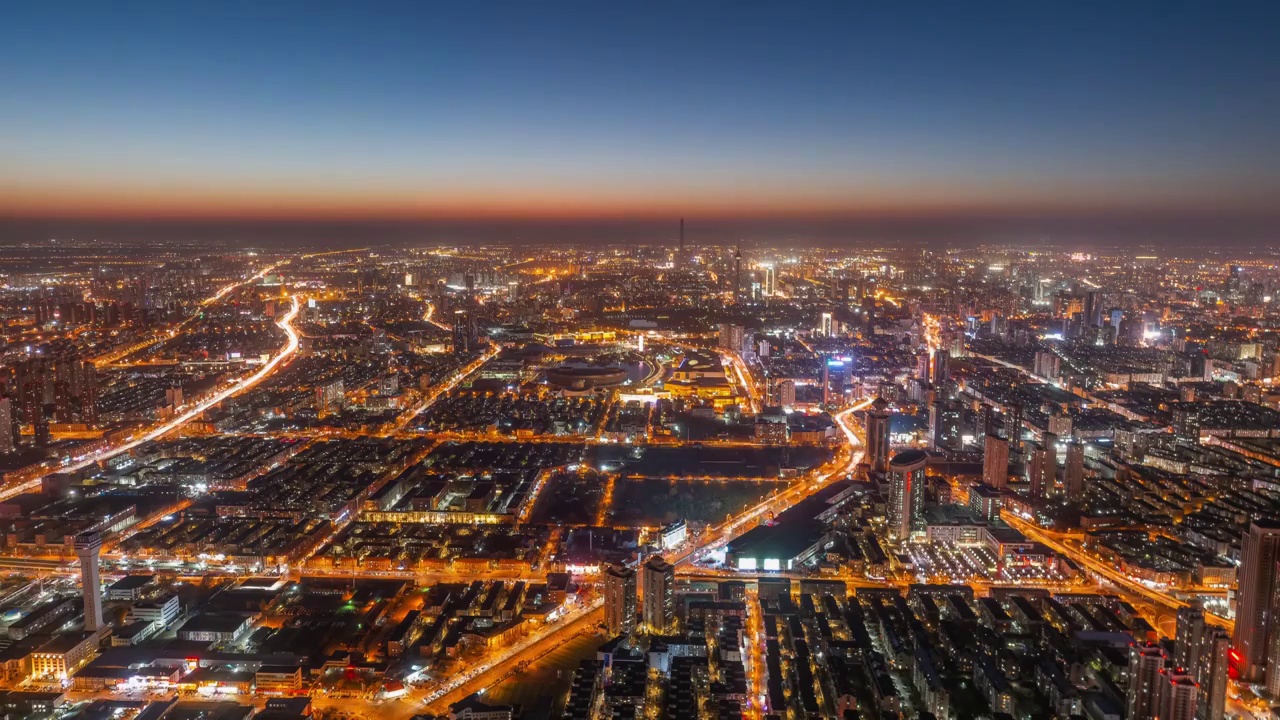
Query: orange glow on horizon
[269, 203]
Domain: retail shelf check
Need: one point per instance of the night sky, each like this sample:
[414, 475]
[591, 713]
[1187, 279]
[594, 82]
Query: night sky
[1024, 115]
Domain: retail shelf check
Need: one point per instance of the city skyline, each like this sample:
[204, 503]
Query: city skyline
[824, 121]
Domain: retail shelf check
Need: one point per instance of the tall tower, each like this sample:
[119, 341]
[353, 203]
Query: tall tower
[620, 600]
[906, 493]
[88, 545]
[680, 252]
[878, 436]
[1257, 575]
[658, 578]
[737, 274]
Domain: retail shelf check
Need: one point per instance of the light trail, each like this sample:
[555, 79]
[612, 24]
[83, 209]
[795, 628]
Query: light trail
[285, 323]
[744, 379]
[1111, 574]
[430, 313]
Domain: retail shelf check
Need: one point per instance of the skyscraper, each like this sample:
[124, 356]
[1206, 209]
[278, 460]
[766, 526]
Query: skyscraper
[1256, 582]
[906, 493]
[88, 545]
[995, 462]
[878, 436]
[620, 600]
[658, 581]
[826, 326]
[1146, 661]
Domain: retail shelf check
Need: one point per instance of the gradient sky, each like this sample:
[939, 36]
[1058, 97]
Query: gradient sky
[614, 109]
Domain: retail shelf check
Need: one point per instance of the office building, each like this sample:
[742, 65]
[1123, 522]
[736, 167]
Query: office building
[620, 600]
[906, 493]
[995, 462]
[1256, 577]
[826, 326]
[1146, 661]
[877, 424]
[658, 581]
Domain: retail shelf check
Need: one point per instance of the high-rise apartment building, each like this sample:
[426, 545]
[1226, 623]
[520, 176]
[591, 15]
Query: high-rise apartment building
[1254, 619]
[906, 493]
[995, 462]
[1213, 674]
[878, 436]
[620, 600]
[1073, 474]
[658, 585]
[88, 546]
[1142, 700]
[1178, 694]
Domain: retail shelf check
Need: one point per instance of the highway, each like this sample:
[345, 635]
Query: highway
[491, 670]
[434, 394]
[290, 347]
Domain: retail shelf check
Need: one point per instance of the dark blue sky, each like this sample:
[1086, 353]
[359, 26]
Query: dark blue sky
[550, 109]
